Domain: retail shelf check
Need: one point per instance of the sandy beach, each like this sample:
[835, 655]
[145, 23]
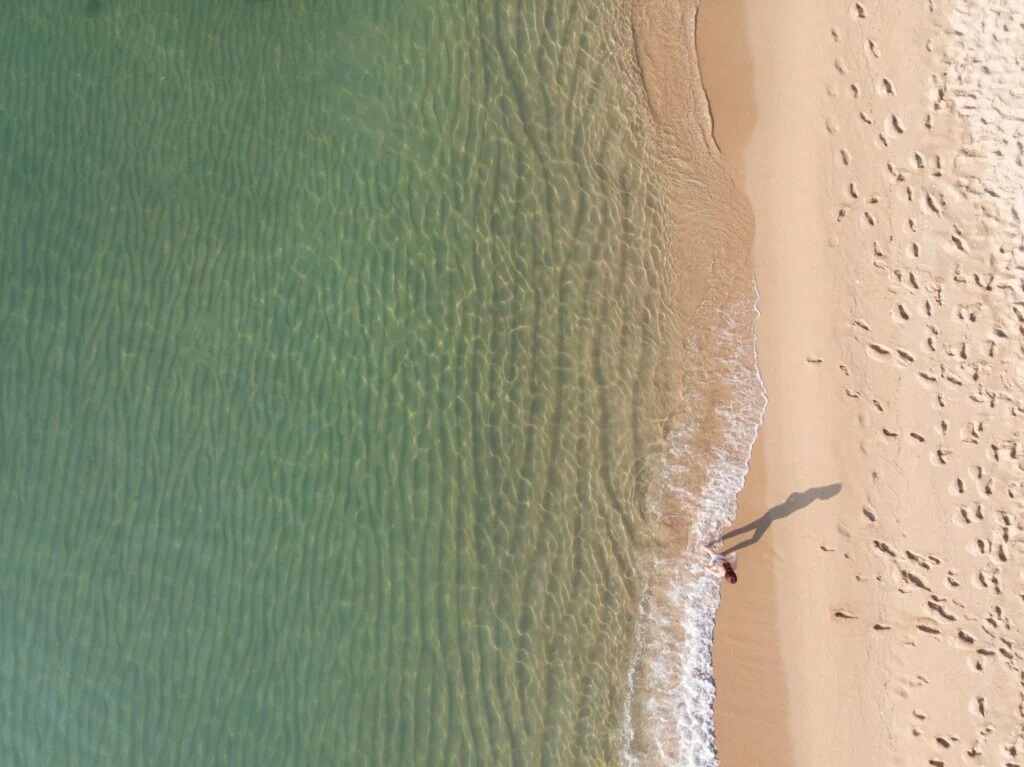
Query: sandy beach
[875, 619]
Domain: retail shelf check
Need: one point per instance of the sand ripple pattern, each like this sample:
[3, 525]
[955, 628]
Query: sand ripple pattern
[331, 365]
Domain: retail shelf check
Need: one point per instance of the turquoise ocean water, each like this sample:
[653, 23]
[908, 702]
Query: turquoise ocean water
[332, 365]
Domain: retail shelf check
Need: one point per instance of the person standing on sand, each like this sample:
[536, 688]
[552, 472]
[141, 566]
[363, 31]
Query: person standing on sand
[730, 573]
[727, 569]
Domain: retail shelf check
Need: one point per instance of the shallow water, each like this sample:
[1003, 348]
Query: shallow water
[335, 374]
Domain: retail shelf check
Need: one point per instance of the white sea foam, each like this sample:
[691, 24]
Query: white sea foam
[669, 717]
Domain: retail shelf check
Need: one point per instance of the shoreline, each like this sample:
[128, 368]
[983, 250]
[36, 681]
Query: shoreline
[748, 647]
[876, 624]
[716, 406]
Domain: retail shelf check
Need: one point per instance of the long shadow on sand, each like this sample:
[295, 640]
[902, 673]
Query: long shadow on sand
[793, 503]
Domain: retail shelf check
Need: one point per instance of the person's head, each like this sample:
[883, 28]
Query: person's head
[730, 575]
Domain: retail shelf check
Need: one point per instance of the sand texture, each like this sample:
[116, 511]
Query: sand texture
[877, 618]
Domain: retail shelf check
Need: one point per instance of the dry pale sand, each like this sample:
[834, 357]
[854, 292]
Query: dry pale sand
[879, 144]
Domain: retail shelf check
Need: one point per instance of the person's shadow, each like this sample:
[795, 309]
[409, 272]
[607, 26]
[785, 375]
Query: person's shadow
[793, 503]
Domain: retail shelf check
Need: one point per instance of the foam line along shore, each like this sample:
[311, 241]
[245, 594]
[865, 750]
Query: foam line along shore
[717, 399]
